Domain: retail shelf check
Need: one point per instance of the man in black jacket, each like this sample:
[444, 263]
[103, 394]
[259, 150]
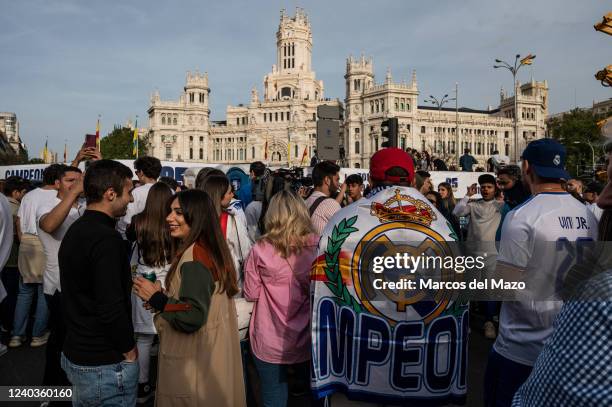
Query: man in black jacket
[99, 353]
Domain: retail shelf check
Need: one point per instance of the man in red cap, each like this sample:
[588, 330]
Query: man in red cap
[372, 342]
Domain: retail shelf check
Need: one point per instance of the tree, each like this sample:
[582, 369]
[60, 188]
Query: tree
[36, 160]
[576, 130]
[118, 144]
[14, 159]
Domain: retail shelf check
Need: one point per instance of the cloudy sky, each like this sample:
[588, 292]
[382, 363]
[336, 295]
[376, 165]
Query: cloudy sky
[64, 62]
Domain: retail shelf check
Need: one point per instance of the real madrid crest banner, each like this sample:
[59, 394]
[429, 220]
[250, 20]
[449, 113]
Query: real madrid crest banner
[378, 344]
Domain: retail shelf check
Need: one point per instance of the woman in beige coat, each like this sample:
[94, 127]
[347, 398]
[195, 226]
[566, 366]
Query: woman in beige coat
[199, 359]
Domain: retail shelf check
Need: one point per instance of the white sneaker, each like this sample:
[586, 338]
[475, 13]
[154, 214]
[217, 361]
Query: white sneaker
[489, 330]
[3, 349]
[16, 341]
[39, 340]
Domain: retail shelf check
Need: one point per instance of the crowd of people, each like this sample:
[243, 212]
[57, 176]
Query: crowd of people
[219, 290]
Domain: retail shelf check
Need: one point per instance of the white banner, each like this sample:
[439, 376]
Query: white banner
[173, 169]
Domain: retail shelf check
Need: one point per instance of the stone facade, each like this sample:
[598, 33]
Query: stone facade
[284, 119]
[9, 127]
[428, 128]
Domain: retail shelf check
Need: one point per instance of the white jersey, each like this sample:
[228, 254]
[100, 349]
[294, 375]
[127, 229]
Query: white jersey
[545, 222]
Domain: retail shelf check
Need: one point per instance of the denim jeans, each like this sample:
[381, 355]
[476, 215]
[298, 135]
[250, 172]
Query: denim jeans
[22, 309]
[503, 377]
[273, 383]
[107, 385]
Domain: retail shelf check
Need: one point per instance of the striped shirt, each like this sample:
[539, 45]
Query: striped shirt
[324, 211]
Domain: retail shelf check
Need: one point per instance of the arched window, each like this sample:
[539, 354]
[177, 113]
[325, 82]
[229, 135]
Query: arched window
[191, 153]
[174, 121]
[201, 153]
[286, 92]
[357, 147]
[163, 119]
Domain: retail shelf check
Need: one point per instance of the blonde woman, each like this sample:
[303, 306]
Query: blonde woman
[277, 279]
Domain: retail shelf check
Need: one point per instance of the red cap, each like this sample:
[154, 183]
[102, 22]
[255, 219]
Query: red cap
[388, 158]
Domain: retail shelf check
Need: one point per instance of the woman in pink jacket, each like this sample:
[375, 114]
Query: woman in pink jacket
[277, 278]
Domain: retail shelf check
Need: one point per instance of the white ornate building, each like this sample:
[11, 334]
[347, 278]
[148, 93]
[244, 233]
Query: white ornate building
[429, 128]
[284, 119]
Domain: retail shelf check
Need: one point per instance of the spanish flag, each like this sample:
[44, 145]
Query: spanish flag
[304, 155]
[528, 60]
[135, 140]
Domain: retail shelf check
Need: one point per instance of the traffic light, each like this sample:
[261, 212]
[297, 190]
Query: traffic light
[388, 129]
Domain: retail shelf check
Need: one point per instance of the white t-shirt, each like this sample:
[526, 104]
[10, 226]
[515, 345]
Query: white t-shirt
[6, 236]
[29, 207]
[134, 208]
[51, 243]
[527, 242]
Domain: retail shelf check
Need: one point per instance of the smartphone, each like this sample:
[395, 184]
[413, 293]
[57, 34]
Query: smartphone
[90, 140]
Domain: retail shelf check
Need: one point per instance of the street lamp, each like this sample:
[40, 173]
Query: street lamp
[518, 62]
[592, 151]
[440, 103]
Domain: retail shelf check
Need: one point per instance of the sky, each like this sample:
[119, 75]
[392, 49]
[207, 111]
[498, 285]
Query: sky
[65, 62]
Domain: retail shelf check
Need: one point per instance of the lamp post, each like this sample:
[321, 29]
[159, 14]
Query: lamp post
[518, 62]
[440, 103]
[592, 151]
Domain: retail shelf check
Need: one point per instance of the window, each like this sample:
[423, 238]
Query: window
[201, 139]
[356, 131]
[174, 121]
[506, 134]
[402, 105]
[253, 152]
[168, 152]
[382, 105]
[191, 98]
[403, 143]
[396, 104]
[288, 116]
[201, 153]
[201, 98]
[190, 138]
[507, 149]
[163, 119]
[282, 116]
[357, 147]
[191, 153]
[371, 107]
[422, 129]
[377, 107]
[295, 149]
[237, 121]
[286, 92]
[276, 116]
[265, 117]
[376, 143]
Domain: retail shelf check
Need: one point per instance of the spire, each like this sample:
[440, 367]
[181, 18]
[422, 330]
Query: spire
[414, 78]
[388, 78]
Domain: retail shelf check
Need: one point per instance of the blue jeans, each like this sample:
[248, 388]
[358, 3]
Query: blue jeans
[503, 377]
[107, 385]
[22, 309]
[273, 383]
